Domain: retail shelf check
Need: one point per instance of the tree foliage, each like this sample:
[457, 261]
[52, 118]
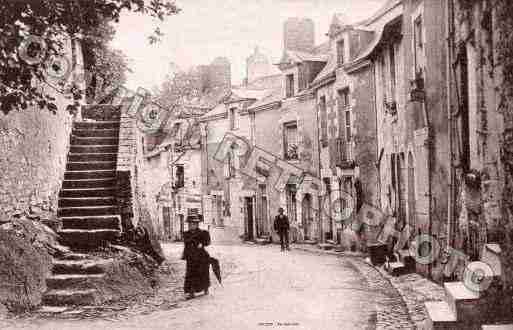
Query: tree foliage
[179, 88]
[51, 20]
[105, 67]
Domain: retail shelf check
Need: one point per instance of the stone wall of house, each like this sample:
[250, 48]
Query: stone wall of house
[34, 144]
[365, 143]
[156, 177]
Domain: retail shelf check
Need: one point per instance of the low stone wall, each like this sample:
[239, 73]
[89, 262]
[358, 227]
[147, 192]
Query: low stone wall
[34, 143]
[25, 256]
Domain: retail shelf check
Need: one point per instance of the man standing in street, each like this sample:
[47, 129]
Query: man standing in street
[281, 226]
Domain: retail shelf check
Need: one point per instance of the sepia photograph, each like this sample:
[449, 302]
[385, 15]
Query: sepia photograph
[256, 164]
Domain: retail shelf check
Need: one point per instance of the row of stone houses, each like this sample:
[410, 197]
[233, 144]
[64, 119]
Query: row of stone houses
[397, 111]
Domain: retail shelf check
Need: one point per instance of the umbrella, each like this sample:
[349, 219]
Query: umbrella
[216, 268]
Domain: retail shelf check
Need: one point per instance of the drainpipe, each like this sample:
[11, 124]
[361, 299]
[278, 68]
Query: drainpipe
[319, 198]
[378, 159]
[451, 197]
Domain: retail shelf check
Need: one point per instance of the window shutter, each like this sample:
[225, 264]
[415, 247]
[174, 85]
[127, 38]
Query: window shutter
[334, 153]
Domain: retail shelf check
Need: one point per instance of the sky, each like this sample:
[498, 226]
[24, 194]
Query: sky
[206, 29]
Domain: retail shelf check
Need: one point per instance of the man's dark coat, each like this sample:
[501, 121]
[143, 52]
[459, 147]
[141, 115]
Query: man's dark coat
[281, 223]
[198, 260]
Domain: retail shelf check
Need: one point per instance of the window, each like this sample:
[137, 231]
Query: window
[303, 76]
[291, 202]
[324, 121]
[289, 85]
[418, 42]
[180, 178]
[343, 99]
[229, 165]
[291, 141]
[340, 52]
[345, 112]
[233, 120]
[391, 53]
[348, 124]
[219, 210]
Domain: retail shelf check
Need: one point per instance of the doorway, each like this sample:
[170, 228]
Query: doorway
[166, 217]
[248, 203]
[306, 214]
[182, 225]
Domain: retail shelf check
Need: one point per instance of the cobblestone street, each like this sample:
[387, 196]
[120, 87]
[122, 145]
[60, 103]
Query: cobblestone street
[266, 289]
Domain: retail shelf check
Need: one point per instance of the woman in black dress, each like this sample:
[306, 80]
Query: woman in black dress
[197, 276]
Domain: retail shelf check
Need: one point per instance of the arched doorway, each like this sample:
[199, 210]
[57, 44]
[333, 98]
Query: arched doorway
[306, 215]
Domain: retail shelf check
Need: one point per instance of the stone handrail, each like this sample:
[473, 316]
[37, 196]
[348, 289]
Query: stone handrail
[126, 167]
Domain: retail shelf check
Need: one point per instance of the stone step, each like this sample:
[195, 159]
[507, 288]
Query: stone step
[86, 201]
[96, 124]
[82, 175]
[406, 257]
[51, 310]
[93, 192]
[102, 112]
[498, 327]
[87, 238]
[89, 183]
[262, 240]
[75, 267]
[396, 268]
[75, 281]
[99, 222]
[87, 211]
[93, 149]
[74, 256]
[440, 316]
[326, 246]
[76, 140]
[93, 132]
[90, 166]
[463, 302]
[70, 297]
[93, 157]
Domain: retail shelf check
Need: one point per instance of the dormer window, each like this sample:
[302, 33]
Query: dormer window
[179, 176]
[340, 52]
[289, 85]
[418, 40]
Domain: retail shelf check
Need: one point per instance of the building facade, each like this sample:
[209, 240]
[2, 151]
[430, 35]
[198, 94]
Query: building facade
[347, 134]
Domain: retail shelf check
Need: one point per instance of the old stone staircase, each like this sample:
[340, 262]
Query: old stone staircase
[464, 308]
[88, 209]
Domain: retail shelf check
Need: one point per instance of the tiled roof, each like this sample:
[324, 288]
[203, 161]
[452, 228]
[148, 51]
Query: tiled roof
[239, 94]
[275, 96]
[328, 69]
[389, 4]
[323, 48]
[296, 56]
[250, 94]
[267, 82]
[332, 64]
[217, 110]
